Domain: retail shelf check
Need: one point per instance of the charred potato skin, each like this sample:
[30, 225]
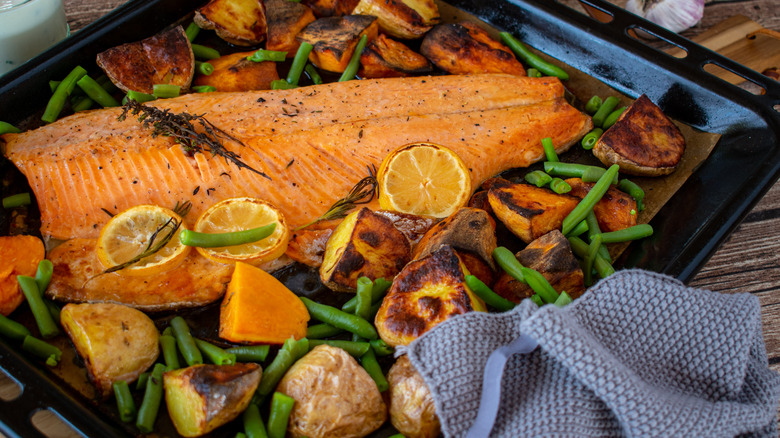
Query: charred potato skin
[425, 293]
[115, 341]
[330, 8]
[405, 19]
[616, 209]
[334, 396]
[387, 58]
[465, 48]
[364, 244]
[468, 229]
[239, 22]
[236, 73]
[412, 226]
[201, 398]
[285, 19]
[412, 411]
[335, 38]
[551, 256]
[642, 142]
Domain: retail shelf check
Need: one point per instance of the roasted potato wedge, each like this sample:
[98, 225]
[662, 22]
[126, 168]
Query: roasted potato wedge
[285, 20]
[364, 244]
[642, 142]
[236, 73]
[411, 405]
[411, 225]
[334, 396]
[335, 38]
[201, 398]
[529, 211]
[307, 246]
[387, 58]
[331, 8]
[406, 19]
[426, 292]
[551, 255]
[616, 209]
[239, 22]
[116, 342]
[465, 48]
[468, 229]
[165, 58]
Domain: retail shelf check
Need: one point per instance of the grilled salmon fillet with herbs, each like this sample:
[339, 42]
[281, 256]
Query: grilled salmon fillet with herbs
[313, 143]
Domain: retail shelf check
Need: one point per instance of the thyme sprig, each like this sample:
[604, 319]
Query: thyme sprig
[362, 193]
[180, 126]
[154, 245]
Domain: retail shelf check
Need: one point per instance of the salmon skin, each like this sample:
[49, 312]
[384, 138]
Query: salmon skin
[313, 142]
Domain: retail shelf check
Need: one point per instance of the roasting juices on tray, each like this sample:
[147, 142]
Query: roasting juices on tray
[174, 196]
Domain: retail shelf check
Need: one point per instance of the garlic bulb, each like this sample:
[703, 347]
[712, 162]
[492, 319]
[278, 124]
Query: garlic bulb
[675, 15]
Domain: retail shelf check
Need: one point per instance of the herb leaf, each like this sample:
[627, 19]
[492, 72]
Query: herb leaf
[362, 193]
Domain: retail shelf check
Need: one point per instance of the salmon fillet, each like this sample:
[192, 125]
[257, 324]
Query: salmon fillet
[314, 143]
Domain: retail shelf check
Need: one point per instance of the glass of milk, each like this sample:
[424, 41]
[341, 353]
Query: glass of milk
[27, 28]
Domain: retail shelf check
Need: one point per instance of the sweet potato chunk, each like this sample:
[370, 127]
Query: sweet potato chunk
[465, 48]
[407, 19]
[165, 58]
[529, 211]
[551, 255]
[643, 141]
[364, 244]
[616, 209]
[20, 256]
[240, 22]
[286, 19]
[235, 73]
[386, 58]
[335, 38]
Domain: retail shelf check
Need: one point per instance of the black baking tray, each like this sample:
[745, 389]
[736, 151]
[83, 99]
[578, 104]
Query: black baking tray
[689, 228]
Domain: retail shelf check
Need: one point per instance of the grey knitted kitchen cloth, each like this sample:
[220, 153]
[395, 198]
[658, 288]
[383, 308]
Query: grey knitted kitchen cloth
[640, 354]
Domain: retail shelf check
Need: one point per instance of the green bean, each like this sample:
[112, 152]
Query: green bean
[42, 350]
[54, 310]
[17, 200]
[593, 173]
[298, 348]
[250, 353]
[632, 189]
[150, 406]
[313, 74]
[563, 299]
[12, 329]
[64, 89]
[216, 355]
[96, 92]
[593, 105]
[613, 117]
[7, 128]
[142, 379]
[354, 62]
[398, 435]
[381, 348]
[487, 295]
[168, 331]
[263, 55]
[533, 73]
[549, 149]
[165, 91]
[590, 139]
[373, 369]
[587, 203]
[46, 325]
[354, 348]
[53, 85]
[187, 346]
[609, 105]
[579, 229]
[364, 287]
[626, 234]
[531, 58]
[571, 170]
[204, 68]
[274, 372]
[170, 352]
[203, 52]
[213, 240]
[580, 248]
[593, 249]
[81, 103]
[299, 63]
[559, 186]
[537, 299]
[43, 274]
[540, 285]
[377, 293]
[124, 401]
[509, 263]
[140, 97]
[203, 88]
[319, 331]
[337, 318]
[281, 406]
[282, 84]
[593, 231]
[192, 31]
[253, 422]
[538, 178]
[241, 434]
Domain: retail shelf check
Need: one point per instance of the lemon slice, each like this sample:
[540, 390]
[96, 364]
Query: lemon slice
[237, 214]
[423, 179]
[128, 234]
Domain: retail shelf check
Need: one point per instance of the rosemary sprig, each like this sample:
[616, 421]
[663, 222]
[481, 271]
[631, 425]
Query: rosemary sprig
[180, 126]
[362, 193]
[155, 245]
